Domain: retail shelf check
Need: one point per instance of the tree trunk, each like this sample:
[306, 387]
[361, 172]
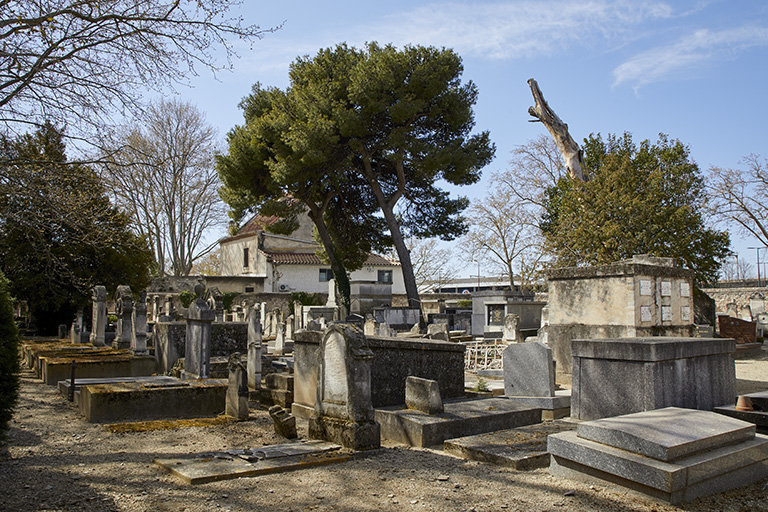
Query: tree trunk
[570, 151]
[339, 272]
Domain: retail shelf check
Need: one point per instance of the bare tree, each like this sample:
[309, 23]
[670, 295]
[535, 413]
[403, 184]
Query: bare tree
[739, 197]
[504, 225]
[73, 62]
[162, 173]
[433, 266]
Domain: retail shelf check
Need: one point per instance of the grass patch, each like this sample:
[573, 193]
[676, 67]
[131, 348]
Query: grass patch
[144, 426]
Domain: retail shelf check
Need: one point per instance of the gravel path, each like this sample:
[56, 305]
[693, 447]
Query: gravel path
[55, 461]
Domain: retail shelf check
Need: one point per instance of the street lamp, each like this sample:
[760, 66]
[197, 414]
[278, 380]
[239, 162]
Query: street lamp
[478, 274]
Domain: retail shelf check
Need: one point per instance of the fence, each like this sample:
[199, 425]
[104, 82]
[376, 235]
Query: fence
[481, 355]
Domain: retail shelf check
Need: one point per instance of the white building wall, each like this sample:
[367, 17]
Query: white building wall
[306, 278]
[231, 255]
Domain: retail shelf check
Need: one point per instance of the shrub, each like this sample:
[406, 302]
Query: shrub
[464, 303]
[227, 299]
[186, 297]
[9, 357]
[306, 299]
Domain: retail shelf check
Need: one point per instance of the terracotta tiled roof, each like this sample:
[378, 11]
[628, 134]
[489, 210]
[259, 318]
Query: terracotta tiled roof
[295, 258]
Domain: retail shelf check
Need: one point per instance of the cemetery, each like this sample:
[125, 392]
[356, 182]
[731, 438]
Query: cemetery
[645, 408]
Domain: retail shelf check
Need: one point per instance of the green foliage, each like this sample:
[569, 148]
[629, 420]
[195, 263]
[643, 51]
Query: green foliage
[59, 234]
[482, 385]
[645, 199]
[306, 299]
[464, 303]
[227, 299]
[9, 357]
[186, 297]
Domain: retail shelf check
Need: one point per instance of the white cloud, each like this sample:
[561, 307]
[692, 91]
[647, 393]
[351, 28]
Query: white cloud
[691, 52]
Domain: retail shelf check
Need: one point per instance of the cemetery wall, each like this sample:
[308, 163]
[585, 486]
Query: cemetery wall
[170, 341]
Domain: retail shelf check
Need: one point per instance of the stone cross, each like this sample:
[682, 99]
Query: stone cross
[197, 357]
[124, 309]
[343, 409]
[99, 318]
[254, 350]
[139, 328]
[237, 389]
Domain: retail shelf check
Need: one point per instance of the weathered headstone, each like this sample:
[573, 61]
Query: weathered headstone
[289, 327]
[155, 308]
[415, 330]
[168, 311]
[285, 423]
[254, 350]
[62, 331]
[356, 320]
[139, 328]
[343, 410]
[438, 332]
[511, 333]
[297, 315]
[263, 315]
[528, 370]
[331, 302]
[75, 333]
[237, 389]
[370, 325]
[732, 309]
[124, 310]
[99, 318]
[384, 330]
[423, 395]
[197, 356]
[278, 346]
[314, 325]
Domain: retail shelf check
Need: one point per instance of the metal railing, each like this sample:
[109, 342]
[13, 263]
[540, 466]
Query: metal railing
[483, 355]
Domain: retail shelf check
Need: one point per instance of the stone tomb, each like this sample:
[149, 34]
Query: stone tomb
[197, 358]
[620, 376]
[759, 414]
[343, 410]
[672, 454]
[423, 395]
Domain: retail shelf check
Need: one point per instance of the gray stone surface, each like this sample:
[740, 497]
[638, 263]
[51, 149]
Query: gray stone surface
[197, 358]
[522, 448]
[438, 332]
[99, 316]
[528, 370]
[667, 434]
[254, 350]
[123, 309]
[139, 328]
[423, 395]
[511, 332]
[460, 418]
[650, 373]
[285, 422]
[716, 470]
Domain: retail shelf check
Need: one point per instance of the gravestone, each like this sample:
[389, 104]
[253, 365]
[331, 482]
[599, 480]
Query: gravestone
[313, 325]
[278, 345]
[383, 330]
[438, 332]
[75, 333]
[289, 327]
[62, 331]
[511, 332]
[343, 411]
[254, 350]
[356, 320]
[297, 315]
[237, 389]
[168, 312]
[423, 395]
[285, 423]
[155, 308]
[263, 314]
[370, 327]
[197, 355]
[99, 318]
[415, 330]
[139, 328]
[124, 310]
[331, 302]
[528, 370]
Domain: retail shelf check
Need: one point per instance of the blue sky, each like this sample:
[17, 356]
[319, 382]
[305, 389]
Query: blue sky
[695, 70]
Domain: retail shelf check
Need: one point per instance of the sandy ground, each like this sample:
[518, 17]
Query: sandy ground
[55, 461]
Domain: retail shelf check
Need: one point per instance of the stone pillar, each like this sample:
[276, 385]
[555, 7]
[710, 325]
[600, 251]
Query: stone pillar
[237, 389]
[99, 318]
[124, 309]
[279, 346]
[289, 327]
[263, 313]
[62, 331]
[168, 312]
[156, 308]
[331, 302]
[139, 328]
[254, 350]
[297, 315]
[343, 410]
[197, 357]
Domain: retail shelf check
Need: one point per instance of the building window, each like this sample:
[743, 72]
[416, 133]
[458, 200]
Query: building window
[249, 289]
[245, 257]
[326, 275]
[385, 276]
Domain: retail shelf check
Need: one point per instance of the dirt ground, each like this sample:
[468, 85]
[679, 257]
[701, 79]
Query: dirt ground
[55, 461]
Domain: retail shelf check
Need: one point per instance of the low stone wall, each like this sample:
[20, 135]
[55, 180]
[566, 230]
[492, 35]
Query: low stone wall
[394, 359]
[170, 341]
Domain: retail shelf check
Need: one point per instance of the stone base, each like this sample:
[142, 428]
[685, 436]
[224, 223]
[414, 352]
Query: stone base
[461, 418]
[759, 416]
[523, 448]
[672, 454]
[552, 407]
[52, 370]
[121, 345]
[280, 397]
[357, 436]
[748, 350]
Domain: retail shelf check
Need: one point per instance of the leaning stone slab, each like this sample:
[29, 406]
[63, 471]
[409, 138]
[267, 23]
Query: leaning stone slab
[528, 370]
[253, 462]
[423, 395]
[667, 434]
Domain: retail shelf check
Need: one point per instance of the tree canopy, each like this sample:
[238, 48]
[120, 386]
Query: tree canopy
[640, 199]
[377, 126]
[59, 234]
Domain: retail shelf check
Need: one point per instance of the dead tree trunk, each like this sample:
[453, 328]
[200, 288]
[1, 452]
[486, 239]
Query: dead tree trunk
[570, 151]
